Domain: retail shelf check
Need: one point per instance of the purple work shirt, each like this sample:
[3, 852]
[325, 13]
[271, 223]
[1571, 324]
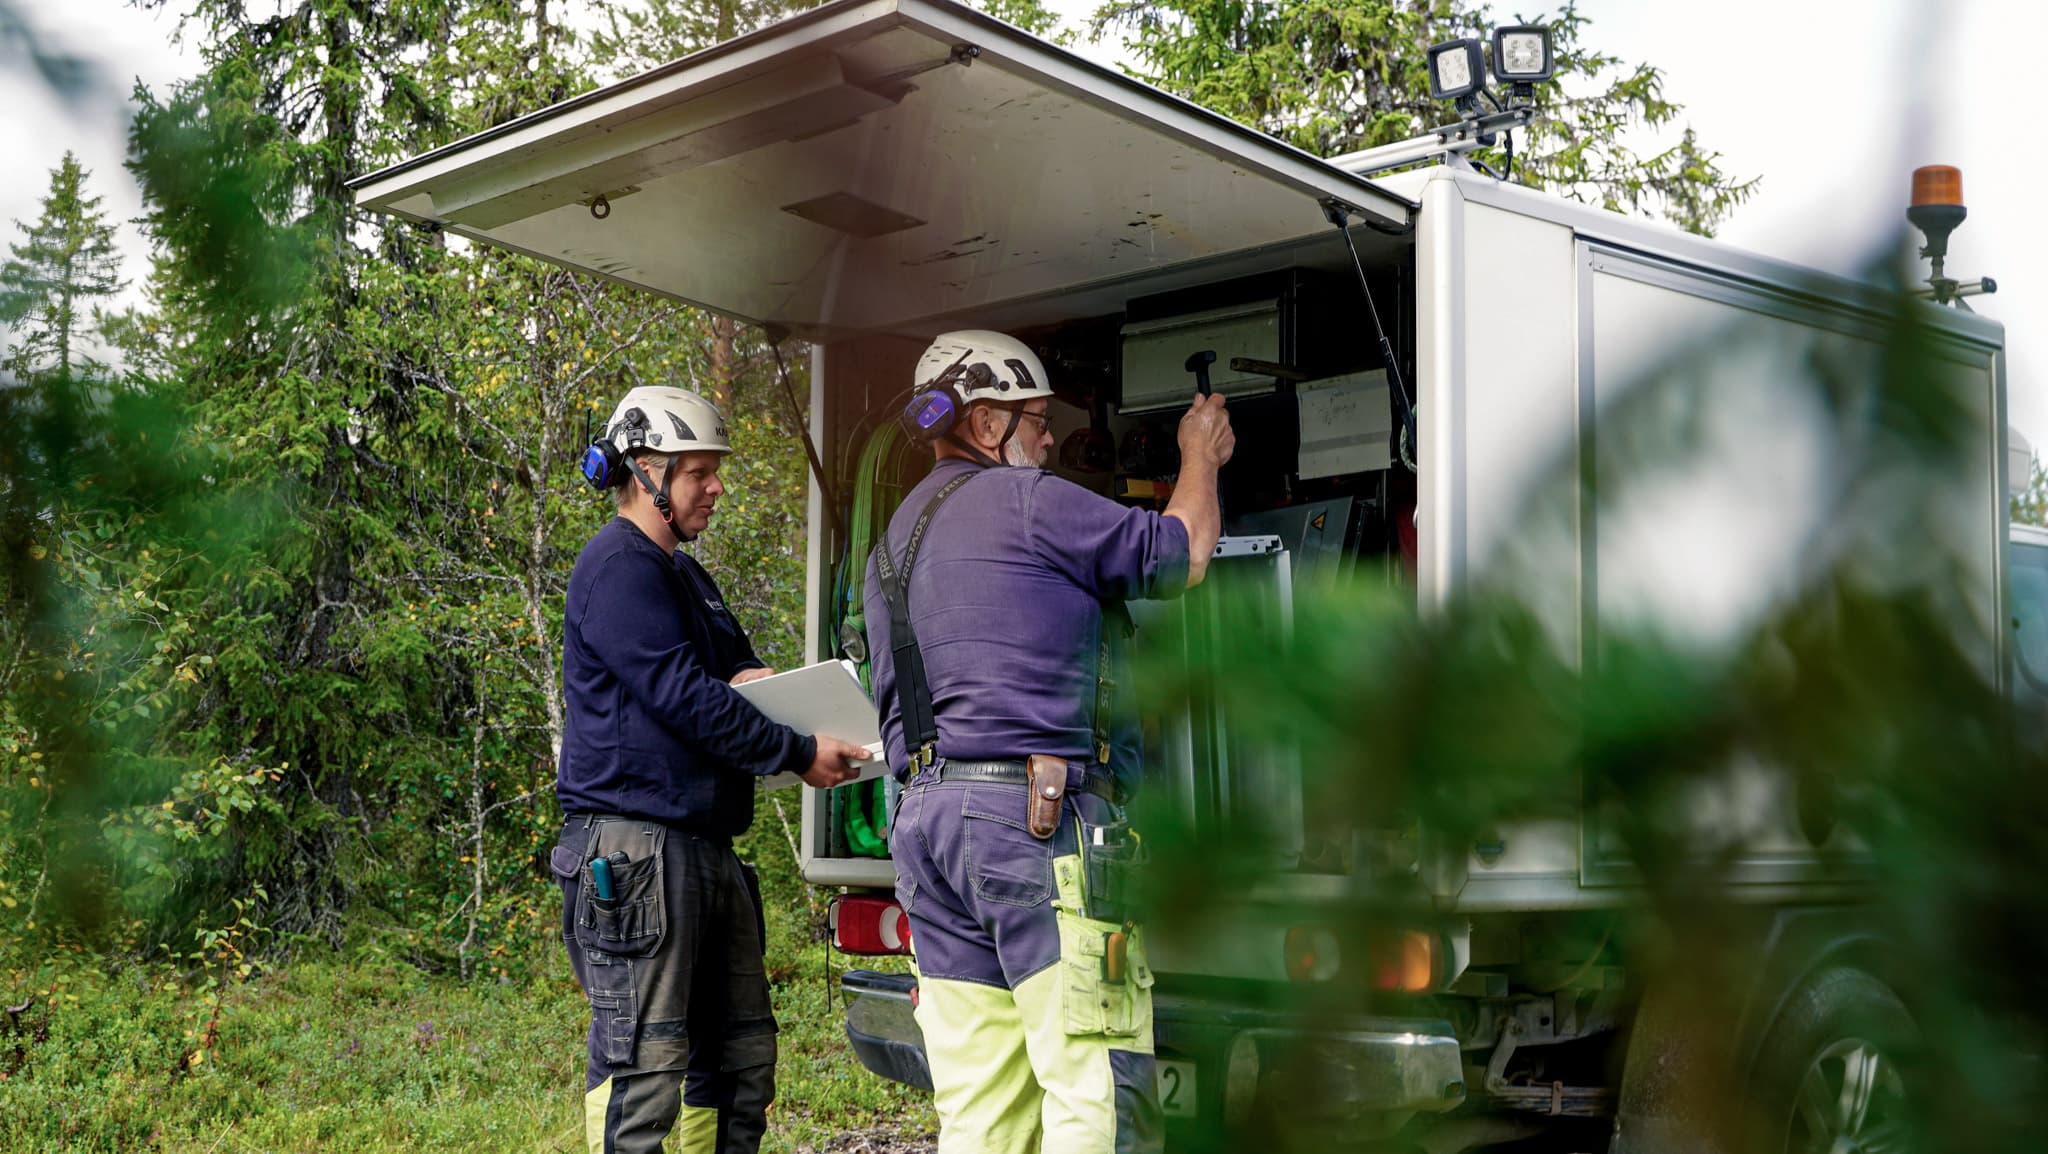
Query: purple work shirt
[1007, 598]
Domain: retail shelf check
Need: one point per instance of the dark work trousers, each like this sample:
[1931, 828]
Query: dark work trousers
[682, 1036]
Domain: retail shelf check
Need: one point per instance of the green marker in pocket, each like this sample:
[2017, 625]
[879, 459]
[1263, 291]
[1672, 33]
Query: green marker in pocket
[601, 873]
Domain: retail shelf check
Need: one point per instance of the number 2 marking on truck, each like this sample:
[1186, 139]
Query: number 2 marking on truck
[1177, 1089]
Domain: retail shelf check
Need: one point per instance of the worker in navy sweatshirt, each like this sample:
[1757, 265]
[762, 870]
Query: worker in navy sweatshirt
[657, 776]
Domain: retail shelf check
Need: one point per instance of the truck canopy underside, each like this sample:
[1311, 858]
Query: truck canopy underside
[881, 167]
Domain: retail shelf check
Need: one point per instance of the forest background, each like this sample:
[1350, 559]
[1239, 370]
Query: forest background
[285, 551]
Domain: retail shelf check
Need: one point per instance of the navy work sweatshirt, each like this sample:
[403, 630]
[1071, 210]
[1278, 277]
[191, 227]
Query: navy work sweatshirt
[653, 729]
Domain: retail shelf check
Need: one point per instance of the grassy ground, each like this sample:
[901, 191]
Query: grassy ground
[369, 1053]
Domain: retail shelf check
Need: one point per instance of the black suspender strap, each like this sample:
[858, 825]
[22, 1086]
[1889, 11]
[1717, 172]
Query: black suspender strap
[1115, 614]
[913, 690]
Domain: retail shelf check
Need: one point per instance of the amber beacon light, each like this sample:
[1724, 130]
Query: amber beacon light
[1937, 208]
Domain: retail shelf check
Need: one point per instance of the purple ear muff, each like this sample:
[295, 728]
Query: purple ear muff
[931, 414]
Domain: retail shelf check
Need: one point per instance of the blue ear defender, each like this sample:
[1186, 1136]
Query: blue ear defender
[935, 409]
[602, 464]
[931, 414]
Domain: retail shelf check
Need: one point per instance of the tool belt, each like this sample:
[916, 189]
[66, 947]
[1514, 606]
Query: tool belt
[1110, 851]
[1046, 779]
[587, 818]
[1019, 773]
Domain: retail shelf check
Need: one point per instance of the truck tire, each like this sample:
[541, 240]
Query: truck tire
[1836, 1072]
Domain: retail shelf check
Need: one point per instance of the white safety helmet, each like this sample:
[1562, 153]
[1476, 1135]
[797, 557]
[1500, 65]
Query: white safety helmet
[983, 366]
[966, 366]
[653, 419]
[666, 419]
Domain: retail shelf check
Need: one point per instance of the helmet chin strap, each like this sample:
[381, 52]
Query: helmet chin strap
[973, 452]
[1009, 431]
[983, 459]
[661, 501]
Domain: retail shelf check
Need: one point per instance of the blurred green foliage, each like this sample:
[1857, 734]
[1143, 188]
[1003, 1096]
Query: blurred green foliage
[1869, 684]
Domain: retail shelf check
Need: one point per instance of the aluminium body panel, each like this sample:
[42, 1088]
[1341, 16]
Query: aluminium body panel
[1702, 540]
[1496, 397]
[2027, 580]
[1439, 392]
[1538, 318]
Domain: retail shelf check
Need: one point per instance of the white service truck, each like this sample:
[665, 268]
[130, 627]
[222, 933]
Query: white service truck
[872, 172]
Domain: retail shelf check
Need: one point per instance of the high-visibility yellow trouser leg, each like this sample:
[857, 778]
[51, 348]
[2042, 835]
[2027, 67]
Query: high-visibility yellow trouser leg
[696, 1130]
[597, 1103]
[983, 1088]
[644, 1113]
[1083, 1075]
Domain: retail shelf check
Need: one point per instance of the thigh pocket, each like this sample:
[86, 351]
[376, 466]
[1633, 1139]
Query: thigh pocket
[614, 1006]
[1105, 978]
[1006, 863]
[631, 922]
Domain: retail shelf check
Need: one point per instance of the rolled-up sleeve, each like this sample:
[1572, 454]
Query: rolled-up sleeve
[1115, 552]
[640, 642]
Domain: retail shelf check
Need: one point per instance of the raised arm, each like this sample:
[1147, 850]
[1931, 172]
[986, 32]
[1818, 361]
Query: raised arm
[1206, 442]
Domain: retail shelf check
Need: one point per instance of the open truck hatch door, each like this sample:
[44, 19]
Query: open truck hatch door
[875, 165]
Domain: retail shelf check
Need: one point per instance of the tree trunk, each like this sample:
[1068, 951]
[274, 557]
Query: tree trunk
[724, 362]
[478, 813]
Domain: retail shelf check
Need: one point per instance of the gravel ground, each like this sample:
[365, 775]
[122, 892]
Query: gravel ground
[883, 1140]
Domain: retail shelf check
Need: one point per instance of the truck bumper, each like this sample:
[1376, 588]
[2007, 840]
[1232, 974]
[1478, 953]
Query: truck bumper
[1355, 1074]
[879, 1024]
[1248, 1061]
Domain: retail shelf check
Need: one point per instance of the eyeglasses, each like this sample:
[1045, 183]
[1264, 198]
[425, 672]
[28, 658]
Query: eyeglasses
[1044, 421]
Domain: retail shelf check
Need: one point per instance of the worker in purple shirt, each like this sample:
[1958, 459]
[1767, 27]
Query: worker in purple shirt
[994, 606]
[658, 768]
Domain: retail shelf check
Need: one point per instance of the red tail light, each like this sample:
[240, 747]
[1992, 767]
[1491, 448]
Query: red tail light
[1311, 954]
[1407, 962]
[868, 925]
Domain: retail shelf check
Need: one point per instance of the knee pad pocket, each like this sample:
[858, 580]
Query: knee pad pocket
[748, 1051]
[1140, 1122]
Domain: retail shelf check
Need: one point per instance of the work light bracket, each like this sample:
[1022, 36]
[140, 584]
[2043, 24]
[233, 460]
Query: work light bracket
[1444, 140]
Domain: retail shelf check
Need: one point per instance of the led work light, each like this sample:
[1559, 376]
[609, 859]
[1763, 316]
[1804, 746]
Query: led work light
[1521, 54]
[1457, 69]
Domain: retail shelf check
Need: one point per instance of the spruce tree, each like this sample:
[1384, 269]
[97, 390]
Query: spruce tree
[65, 263]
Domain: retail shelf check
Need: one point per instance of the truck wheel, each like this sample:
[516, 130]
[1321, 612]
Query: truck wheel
[1835, 1073]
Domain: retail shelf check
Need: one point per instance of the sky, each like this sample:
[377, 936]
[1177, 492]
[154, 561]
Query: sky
[1831, 102]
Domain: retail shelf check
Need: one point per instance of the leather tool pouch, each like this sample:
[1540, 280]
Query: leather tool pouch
[1047, 780]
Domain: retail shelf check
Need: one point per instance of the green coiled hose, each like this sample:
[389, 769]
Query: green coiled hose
[864, 816]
